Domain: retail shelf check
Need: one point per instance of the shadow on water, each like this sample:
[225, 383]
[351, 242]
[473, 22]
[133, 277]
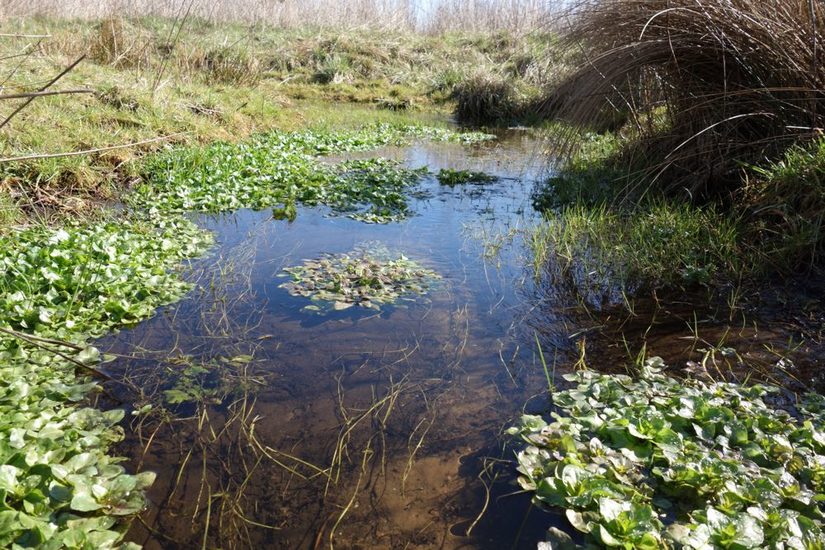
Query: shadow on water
[275, 427]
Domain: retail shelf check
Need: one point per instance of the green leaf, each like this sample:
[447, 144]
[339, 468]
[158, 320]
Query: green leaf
[84, 502]
[89, 355]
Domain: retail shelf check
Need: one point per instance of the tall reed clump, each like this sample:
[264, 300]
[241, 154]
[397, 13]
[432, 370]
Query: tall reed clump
[716, 102]
[707, 84]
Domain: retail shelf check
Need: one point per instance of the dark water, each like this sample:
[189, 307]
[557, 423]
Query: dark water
[354, 429]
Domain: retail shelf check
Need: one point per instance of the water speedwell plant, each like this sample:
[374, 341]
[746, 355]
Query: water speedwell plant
[59, 288]
[654, 462]
[365, 278]
[279, 170]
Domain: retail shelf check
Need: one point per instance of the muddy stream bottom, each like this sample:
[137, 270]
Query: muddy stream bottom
[274, 427]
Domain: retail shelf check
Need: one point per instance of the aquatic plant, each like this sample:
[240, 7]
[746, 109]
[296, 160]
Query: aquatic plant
[606, 252]
[280, 170]
[79, 282]
[367, 278]
[655, 462]
[59, 288]
[448, 176]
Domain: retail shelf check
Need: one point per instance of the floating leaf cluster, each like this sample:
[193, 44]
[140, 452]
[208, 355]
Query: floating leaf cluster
[280, 170]
[450, 177]
[58, 486]
[79, 282]
[367, 279]
[654, 462]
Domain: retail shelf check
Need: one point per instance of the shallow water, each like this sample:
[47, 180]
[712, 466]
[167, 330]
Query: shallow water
[357, 428]
[360, 429]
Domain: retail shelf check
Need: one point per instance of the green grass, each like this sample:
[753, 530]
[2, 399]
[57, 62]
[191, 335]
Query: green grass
[611, 236]
[654, 246]
[608, 228]
[785, 205]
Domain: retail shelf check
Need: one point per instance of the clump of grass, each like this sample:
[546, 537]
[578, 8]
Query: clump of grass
[122, 44]
[737, 80]
[227, 64]
[331, 69]
[589, 176]
[785, 205]
[10, 212]
[608, 253]
[485, 98]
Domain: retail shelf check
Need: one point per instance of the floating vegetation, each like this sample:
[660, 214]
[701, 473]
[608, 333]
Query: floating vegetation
[80, 282]
[448, 176]
[371, 190]
[655, 462]
[363, 278]
[58, 289]
[279, 170]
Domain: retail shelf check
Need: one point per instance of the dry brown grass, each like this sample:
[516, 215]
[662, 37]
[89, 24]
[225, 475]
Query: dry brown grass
[434, 16]
[708, 84]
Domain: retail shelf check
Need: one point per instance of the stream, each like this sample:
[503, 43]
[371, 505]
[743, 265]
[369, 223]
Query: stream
[358, 428]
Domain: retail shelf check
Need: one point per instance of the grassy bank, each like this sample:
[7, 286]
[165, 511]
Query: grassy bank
[155, 83]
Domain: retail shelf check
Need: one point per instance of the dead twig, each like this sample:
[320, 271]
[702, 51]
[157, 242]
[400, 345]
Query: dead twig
[90, 151]
[24, 95]
[7, 35]
[25, 104]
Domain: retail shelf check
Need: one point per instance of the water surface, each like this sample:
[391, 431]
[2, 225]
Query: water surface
[356, 429]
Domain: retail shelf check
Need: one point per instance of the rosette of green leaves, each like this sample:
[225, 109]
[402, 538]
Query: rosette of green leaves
[362, 279]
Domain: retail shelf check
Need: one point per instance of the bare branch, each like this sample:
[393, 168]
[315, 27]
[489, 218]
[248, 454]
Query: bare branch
[42, 94]
[90, 151]
[42, 89]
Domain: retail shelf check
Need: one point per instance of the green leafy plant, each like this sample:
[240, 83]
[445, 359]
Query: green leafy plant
[279, 170]
[451, 177]
[655, 462]
[364, 278]
[60, 287]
